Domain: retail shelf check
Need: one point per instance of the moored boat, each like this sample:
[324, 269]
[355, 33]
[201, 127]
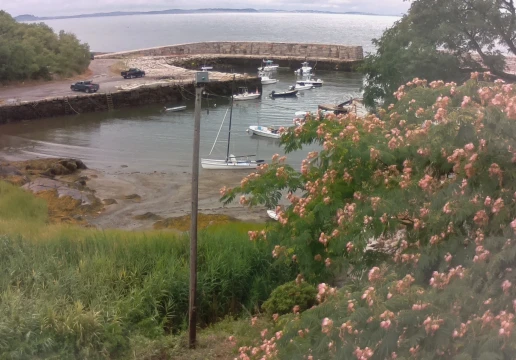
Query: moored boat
[305, 69]
[232, 163]
[273, 214]
[300, 85]
[288, 93]
[265, 131]
[174, 109]
[268, 65]
[266, 80]
[244, 94]
[314, 83]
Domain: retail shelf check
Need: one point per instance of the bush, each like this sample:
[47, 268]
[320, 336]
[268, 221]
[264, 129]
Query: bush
[430, 183]
[34, 51]
[285, 297]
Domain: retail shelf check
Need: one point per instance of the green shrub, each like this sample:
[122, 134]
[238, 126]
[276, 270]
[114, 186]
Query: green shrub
[285, 297]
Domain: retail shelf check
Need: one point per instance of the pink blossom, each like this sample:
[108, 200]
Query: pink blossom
[506, 285]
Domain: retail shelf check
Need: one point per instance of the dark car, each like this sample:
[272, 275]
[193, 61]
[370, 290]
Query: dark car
[132, 73]
[86, 86]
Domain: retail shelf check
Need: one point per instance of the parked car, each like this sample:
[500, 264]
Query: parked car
[132, 73]
[86, 86]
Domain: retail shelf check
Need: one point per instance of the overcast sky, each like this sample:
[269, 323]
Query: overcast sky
[60, 7]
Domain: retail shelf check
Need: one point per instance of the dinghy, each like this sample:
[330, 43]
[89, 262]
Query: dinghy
[288, 93]
[174, 109]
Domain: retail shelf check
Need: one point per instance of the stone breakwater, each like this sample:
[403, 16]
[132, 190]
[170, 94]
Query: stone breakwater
[144, 95]
[250, 48]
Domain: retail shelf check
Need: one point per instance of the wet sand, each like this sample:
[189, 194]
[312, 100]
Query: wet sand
[166, 195]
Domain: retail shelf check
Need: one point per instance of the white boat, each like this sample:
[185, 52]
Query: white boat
[303, 86]
[244, 94]
[266, 80]
[305, 69]
[315, 83]
[268, 65]
[273, 215]
[301, 113]
[206, 68]
[265, 131]
[174, 109]
[231, 162]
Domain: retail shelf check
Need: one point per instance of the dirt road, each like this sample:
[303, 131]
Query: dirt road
[106, 73]
[99, 72]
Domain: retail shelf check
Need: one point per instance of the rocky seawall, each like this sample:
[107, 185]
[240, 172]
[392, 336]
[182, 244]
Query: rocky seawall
[249, 48]
[143, 95]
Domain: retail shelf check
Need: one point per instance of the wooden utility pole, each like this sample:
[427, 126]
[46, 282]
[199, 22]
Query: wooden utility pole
[192, 311]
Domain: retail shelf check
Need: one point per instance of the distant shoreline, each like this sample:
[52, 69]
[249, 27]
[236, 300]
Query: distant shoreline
[26, 17]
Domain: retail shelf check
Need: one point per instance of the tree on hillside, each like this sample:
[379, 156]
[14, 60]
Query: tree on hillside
[34, 51]
[430, 185]
[442, 39]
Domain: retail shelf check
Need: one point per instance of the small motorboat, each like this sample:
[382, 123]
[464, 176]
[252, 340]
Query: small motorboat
[273, 214]
[301, 113]
[268, 65]
[305, 69]
[315, 83]
[300, 85]
[174, 109]
[266, 80]
[244, 94]
[289, 93]
[206, 68]
[265, 131]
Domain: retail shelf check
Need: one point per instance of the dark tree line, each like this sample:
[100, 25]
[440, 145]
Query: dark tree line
[34, 51]
[442, 40]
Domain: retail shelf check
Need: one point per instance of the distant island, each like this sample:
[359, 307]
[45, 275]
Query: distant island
[27, 17]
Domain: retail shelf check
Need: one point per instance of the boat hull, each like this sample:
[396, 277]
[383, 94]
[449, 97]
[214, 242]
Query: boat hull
[269, 81]
[246, 97]
[273, 215]
[304, 87]
[175, 109]
[284, 94]
[263, 131]
[210, 164]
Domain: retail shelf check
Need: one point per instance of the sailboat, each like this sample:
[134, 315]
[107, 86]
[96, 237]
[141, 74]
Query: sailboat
[231, 162]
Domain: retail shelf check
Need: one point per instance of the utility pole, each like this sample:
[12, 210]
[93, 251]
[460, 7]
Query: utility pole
[200, 79]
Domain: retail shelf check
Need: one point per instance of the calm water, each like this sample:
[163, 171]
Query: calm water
[147, 140]
[143, 31]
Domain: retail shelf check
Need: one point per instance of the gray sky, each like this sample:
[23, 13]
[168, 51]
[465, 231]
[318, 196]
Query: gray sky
[60, 7]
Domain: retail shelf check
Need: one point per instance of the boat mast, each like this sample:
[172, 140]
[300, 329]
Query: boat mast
[230, 115]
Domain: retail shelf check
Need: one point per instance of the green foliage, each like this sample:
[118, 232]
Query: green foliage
[17, 204]
[34, 51]
[85, 294]
[428, 187]
[443, 39]
[286, 296]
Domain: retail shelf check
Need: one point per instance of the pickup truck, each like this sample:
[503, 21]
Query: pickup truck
[132, 73]
[86, 86]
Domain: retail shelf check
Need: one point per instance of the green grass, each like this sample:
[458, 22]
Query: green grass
[75, 293]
